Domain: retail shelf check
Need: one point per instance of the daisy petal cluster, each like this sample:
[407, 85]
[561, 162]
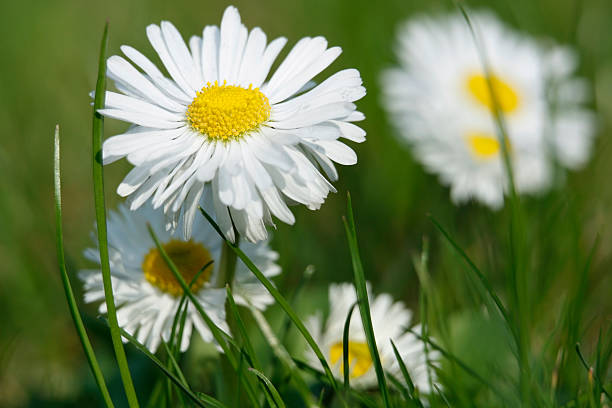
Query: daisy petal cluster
[390, 321]
[222, 130]
[146, 292]
[440, 101]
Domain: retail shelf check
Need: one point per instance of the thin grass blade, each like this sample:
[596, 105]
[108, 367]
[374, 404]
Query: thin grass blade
[345, 346]
[279, 298]
[270, 387]
[364, 303]
[72, 304]
[100, 206]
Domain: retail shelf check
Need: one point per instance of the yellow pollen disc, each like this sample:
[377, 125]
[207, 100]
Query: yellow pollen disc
[227, 111]
[359, 357]
[189, 258]
[507, 98]
[484, 145]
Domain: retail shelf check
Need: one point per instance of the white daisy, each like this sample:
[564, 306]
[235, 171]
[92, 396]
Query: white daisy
[146, 293]
[440, 103]
[390, 321]
[217, 121]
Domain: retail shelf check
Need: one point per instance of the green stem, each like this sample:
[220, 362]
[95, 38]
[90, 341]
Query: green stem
[98, 181]
[72, 305]
[227, 266]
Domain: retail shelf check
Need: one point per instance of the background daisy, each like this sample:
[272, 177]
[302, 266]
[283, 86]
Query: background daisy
[390, 321]
[146, 293]
[440, 103]
[218, 121]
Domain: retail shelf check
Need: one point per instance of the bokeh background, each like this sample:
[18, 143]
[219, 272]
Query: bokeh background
[48, 65]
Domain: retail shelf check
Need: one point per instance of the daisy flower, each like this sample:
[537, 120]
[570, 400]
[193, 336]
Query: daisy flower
[390, 320]
[146, 293]
[440, 103]
[218, 120]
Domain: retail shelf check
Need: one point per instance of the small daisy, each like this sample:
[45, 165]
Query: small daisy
[146, 293]
[440, 103]
[390, 320]
[259, 142]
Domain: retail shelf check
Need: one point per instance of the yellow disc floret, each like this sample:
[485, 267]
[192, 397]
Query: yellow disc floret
[189, 258]
[507, 98]
[226, 111]
[485, 146]
[359, 358]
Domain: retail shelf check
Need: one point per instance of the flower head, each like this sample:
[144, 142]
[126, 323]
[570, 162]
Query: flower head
[390, 321]
[146, 292]
[218, 121]
[440, 101]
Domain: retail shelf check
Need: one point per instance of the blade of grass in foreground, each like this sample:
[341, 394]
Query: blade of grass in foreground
[72, 305]
[203, 401]
[279, 298]
[217, 333]
[345, 346]
[270, 387]
[364, 303]
[98, 180]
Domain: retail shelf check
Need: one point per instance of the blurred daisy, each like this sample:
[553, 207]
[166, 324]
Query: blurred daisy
[146, 293]
[390, 320]
[440, 102]
[217, 121]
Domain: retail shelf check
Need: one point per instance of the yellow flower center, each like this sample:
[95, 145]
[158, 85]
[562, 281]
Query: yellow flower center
[359, 358]
[189, 258]
[485, 145]
[227, 111]
[507, 98]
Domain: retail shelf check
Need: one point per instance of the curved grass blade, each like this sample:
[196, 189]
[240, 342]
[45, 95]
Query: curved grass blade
[219, 335]
[283, 355]
[345, 346]
[203, 401]
[403, 369]
[459, 363]
[72, 305]
[98, 181]
[279, 298]
[591, 372]
[270, 387]
[364, 303]
[483, 279]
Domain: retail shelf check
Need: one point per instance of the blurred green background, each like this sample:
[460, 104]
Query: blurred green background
[49, 55]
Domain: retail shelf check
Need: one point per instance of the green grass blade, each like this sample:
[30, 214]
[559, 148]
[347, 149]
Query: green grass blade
[345, 346]
[284, 357]
[364, 303]
[483, 279]
[219, 335]
[202, 401]
[270, 387]
[98, 181]
[72, 305]
[403, 369]
[279, 298]
[591, 372]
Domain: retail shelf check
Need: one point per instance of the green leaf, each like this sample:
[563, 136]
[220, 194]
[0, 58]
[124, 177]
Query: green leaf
[279, 298]
[98, 181]
[364, 303]
[72, 304]
[404, 370]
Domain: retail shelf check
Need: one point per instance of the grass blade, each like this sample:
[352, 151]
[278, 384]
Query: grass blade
[217, 333]
[403, 369]
[364, 303]
[345, 346]
[202, 401]
[270, 387]
[279, 298]
[98, 181]
[72, 305]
